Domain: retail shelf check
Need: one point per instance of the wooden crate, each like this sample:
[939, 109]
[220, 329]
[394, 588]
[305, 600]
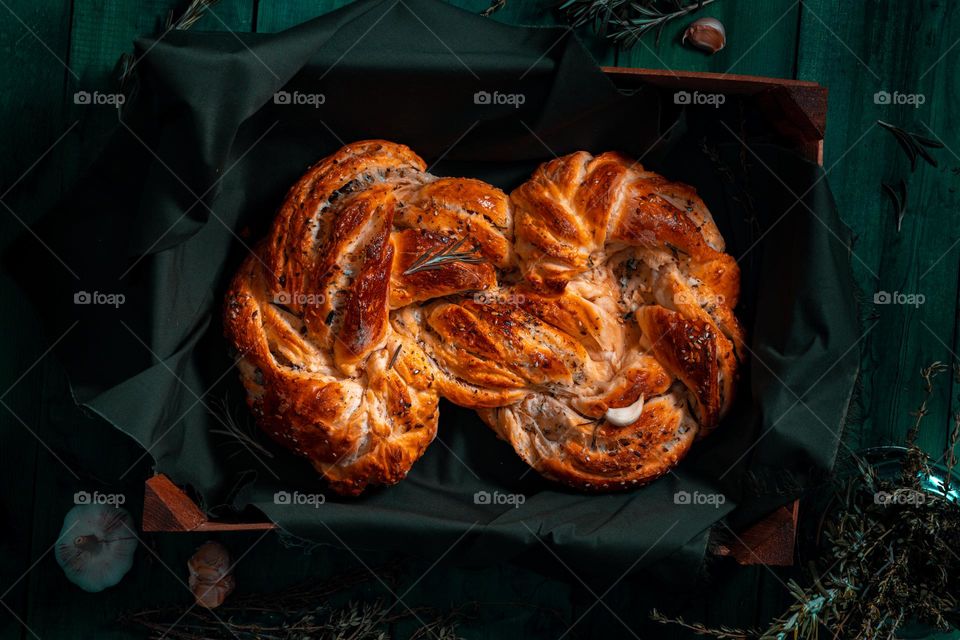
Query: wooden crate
[798, 113]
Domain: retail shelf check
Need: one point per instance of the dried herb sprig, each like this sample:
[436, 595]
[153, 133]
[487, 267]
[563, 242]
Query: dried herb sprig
[913, 144]
[888, 549]
[495, 5]
[242, 436]
[721, 633]
[443, 255]
[625, 21]
[651, 19]
[352, 621]
[187, 18]
[951, 457]
[599, 14]
[301, 611]
[898, 194]
[928, 374]
[393, 358]
[190, 14]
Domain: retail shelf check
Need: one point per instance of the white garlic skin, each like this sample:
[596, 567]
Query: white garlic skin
[707, 34]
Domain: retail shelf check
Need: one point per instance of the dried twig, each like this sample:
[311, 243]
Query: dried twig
[191, 13]
[721, 633]
[928, 374]
[495, 5]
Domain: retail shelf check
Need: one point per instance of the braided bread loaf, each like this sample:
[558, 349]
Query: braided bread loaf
[588, 318]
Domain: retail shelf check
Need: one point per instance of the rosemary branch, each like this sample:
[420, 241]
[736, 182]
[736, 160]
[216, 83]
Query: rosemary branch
[625, 21]
[721, 633]
[191, 13]
[443, 255]
[188, 17]
[913, 144]
[898, 194]
[495, 5]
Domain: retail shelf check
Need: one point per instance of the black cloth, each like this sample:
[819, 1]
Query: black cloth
[205, 151]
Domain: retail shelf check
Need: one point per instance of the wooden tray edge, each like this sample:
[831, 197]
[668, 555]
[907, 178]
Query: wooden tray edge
[167, 508]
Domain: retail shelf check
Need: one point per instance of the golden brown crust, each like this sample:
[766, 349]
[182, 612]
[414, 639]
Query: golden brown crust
[600, 234]
[325, 373]
[595, 286]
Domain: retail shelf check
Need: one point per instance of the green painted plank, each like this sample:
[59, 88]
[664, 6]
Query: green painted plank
[91, 44]
[761, 40]
[33, 53]
[33, 44]
[276, 15]
[102, 31]
[538, 13]
[852, 49]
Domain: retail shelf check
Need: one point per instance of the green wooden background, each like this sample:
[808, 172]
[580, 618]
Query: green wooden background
[50, 49]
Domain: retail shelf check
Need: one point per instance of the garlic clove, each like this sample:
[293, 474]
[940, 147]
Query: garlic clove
[707, 34]
[624, 416]
[211, 575]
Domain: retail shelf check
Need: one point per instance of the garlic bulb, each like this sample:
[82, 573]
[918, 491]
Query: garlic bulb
[707, 34]
[625, 416]
[96, 546]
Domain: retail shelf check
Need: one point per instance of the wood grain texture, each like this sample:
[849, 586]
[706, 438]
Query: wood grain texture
[167, 508]
[858, 49]
[769, 541]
